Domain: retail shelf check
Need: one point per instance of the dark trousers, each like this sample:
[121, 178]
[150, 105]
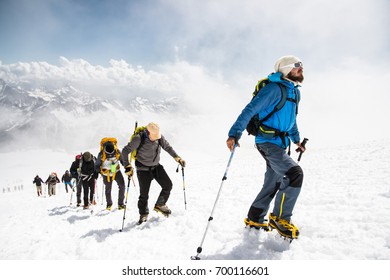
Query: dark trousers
[66, 186]
[145, 178]
[121, 184]
[78, 190]
[89, 189]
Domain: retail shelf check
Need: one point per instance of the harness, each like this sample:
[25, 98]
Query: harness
[114, 167]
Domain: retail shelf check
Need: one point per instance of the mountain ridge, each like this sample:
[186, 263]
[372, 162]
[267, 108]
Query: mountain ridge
[27, 110]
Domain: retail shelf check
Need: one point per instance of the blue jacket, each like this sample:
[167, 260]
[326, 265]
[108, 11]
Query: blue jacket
[284, 120]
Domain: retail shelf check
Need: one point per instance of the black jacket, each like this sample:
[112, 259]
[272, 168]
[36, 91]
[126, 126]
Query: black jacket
[38, 181]
[88, 170]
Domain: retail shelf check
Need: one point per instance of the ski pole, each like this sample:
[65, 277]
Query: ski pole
[199, 250]
[303, 144]
[184, 185]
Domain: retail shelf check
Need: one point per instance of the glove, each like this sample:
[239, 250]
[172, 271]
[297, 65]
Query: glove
[180, 161]
[129, 170]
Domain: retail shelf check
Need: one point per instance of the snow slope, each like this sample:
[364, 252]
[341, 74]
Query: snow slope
[343, 211]
[343, 214]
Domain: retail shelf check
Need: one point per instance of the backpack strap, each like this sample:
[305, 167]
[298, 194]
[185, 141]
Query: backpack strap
[297, 98]
[143, 137]
[266, 130]
[279, 105]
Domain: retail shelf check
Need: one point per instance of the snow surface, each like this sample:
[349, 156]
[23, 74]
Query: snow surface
[343, 211]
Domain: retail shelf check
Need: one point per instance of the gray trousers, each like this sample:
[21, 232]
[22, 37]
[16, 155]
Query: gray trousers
[282, 181]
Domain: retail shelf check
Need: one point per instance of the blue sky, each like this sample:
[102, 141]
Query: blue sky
[43, 30]
[204, 45]
[222, 35]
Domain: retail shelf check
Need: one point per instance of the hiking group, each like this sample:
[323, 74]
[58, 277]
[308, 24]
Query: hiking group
[51, 183]
[145, 148]
[270, 116]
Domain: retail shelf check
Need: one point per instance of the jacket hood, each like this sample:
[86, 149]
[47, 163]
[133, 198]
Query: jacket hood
[277, 78]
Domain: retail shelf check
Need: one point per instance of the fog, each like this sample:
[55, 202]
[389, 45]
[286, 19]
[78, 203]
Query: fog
[207, 55]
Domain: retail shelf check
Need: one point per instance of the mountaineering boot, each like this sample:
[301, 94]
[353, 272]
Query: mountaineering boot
[284, 227]
[163, 209]
[143, 218]
[109, 207]
[252, 224]
[121, 207]
[85, 207]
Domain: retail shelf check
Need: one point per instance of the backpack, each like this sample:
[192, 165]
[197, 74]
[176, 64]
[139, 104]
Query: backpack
[255, 125]
[114, 167]
[86, 169]
[114, 142]
[139, 130]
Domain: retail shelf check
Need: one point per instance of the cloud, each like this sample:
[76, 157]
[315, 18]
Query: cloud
[247, 36]
[344, 103]
[234, 37]
[118, 74]
[211, 55]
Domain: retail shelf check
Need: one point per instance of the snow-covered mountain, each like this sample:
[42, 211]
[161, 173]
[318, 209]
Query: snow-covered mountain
[140, 104]
[41, 114]
[40, 101]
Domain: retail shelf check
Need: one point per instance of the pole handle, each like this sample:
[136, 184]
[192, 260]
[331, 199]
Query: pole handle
[303, 144]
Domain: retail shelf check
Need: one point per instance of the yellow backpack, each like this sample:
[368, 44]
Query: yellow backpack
[104, 156]
[138, 130]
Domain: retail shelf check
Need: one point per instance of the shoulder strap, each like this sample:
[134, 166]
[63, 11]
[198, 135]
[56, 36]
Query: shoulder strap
[157, 150]
[279, 105]
[81, 162]
[143, 137]
[297, 99]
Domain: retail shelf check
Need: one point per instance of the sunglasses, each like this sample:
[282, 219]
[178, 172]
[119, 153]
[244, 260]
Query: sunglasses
[293, 65]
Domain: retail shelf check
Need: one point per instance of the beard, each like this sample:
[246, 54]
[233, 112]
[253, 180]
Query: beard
[296, 77]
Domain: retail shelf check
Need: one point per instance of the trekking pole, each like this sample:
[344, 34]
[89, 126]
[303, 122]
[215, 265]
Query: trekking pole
[127, 194]
[124, 210]
[303, 144]
[96, 192]
[127, 191]
[103, 187]
[184, 185]
[199, 250]
[71, 195]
